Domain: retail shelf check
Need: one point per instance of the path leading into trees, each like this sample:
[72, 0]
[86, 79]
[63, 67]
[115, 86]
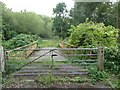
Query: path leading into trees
[25, 78]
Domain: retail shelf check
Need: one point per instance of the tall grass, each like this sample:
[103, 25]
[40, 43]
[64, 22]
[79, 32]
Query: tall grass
[48, 43]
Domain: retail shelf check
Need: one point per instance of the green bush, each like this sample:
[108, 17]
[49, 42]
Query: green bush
[112, 60]
[20, 40]
[89, 34]
[96, 75]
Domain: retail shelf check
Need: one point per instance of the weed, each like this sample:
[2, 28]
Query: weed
[50, 79]
[46, 79]
[96, 75]
[77, 79]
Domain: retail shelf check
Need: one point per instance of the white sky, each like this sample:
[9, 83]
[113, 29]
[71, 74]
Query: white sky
[44, 7]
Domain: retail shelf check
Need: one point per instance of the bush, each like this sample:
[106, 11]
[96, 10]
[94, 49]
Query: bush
[89, 34]
[96, 75]
[20, 40]
[112, 60]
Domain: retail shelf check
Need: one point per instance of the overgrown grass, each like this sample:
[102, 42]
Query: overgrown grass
[105, 77]
[10, 67]
[13, 65]
[95, 75]
[51, 79]
[48, 43]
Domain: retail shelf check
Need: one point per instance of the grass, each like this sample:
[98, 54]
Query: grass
[48, 43]
[10, 67]
[113, 80]
[0, 39]
[51, 79]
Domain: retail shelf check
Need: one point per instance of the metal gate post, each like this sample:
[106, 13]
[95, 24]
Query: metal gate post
[52, 61]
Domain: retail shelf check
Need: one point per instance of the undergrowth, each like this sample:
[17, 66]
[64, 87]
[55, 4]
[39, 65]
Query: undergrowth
[51, 79]
[96, 75]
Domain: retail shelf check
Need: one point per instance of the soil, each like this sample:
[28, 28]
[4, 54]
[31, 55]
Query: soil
[33, 84]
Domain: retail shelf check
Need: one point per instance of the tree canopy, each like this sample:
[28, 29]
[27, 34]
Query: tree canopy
[61, 20]
[105, 12]
[14, 23]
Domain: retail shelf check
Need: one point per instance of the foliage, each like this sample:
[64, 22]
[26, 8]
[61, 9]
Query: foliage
[0, 78]
[81, 11]
[90, 34]
[96, 75]
[50, 79]
[47, 79]
[76, 79]
[20, 40]
[14, 23]
[61, 20]
[10, 67]
[112, 60]
[7, 27]
[95, 11]
[119, 21]
[0, 39]
[115, 84]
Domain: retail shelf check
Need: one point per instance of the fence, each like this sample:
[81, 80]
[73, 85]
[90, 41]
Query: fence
[17, 52]
[85, 55]
[100, 53]
[15, 55]
[57, 60]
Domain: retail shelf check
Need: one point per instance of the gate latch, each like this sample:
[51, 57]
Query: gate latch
[53, 55]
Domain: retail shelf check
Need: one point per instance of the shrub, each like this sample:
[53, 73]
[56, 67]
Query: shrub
[112, 60]
[89, 34]
[96, 75]
[20, 40]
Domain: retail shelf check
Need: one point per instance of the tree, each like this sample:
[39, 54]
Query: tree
[14, 23]
[61, 20]
[105, 12]
[7, 27]
[83, 10]
[48, 22]
[119, 22]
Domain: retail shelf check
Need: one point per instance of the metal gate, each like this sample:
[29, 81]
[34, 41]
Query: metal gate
[57, 61]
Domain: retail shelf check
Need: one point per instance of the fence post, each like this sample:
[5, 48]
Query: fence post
[100, 58]
[1, 59]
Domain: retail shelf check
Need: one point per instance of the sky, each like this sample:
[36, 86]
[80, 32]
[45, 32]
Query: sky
[43, 7]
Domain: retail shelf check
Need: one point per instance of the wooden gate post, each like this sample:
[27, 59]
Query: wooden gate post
[1, 59]
[100, 58]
